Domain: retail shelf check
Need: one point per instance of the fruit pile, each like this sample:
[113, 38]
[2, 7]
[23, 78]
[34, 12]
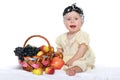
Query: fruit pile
[39, 59]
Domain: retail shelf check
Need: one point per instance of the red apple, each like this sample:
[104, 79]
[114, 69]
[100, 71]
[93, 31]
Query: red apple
[57, 63]
[49, 70]
[44, 48]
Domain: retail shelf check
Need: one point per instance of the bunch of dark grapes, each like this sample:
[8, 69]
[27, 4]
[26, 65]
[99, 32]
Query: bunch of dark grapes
[28, 50]
[19, 51]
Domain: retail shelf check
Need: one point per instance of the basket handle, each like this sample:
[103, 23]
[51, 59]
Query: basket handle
[37, 36]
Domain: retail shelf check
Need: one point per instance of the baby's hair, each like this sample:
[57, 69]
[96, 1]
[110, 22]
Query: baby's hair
[73, 7]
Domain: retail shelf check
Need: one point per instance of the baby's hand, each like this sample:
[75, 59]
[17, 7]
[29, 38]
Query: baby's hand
[69, 62]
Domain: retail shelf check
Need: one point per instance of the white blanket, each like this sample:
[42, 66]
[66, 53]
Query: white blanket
[98, 73]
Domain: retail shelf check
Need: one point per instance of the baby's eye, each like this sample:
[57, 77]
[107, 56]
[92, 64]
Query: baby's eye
[68, 19]
[76, 18]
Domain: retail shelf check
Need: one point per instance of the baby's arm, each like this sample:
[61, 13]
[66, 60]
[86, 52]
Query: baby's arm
[80, 53]
[59, 50]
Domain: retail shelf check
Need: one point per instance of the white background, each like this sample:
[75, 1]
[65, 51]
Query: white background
[20, 19]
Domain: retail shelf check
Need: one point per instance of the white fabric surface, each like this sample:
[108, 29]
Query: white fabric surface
[98, 73]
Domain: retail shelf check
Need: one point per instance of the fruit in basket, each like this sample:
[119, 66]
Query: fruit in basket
[38, 59]
[57, 63]
[28, 50]
[44, 48]
[52, 49]
[60, 55]
[38, 71]
[40, 53]
[49, 70]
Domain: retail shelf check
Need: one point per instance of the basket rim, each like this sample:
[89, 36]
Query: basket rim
[40, 36]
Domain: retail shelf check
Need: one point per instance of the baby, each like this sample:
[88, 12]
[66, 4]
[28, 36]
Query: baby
[74, 44]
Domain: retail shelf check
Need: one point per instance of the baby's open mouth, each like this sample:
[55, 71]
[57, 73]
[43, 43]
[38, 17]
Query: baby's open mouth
[72, 26]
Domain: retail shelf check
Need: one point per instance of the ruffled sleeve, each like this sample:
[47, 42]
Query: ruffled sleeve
[83, 37]
[58, 42]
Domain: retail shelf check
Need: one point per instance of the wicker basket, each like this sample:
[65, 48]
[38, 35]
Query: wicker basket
[31, 62]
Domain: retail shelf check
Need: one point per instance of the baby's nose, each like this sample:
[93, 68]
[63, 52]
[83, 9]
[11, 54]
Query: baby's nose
[72, 20]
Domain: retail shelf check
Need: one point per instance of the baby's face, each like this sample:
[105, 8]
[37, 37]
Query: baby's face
[73, 21]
